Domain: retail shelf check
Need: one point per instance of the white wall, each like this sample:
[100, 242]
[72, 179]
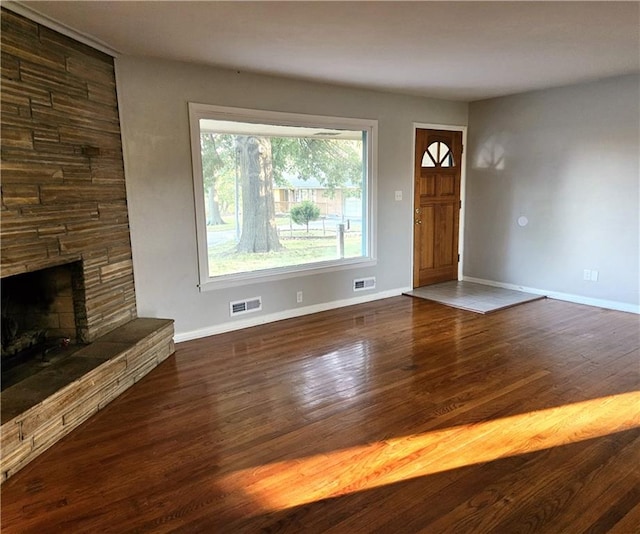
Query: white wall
[153, 97]
[568, 160]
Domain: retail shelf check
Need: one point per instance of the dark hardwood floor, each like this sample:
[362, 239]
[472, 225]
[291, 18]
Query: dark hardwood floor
[400, 415]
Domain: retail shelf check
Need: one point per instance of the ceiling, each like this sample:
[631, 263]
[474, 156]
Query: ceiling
[455, 50]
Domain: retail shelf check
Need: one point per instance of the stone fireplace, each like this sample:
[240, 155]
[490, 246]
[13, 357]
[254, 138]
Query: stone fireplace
[68, 295]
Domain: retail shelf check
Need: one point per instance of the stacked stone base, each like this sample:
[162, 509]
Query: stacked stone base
[77, 388]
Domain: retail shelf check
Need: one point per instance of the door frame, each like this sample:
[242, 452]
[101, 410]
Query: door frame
[463, 189]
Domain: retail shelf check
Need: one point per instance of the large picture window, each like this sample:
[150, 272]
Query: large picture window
[279, 194]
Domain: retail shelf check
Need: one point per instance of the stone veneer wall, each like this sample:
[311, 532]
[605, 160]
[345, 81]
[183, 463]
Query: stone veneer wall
[63, 187]
[63, 201]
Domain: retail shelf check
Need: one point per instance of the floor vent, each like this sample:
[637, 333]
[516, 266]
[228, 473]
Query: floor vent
[364, 283]
[245, 306]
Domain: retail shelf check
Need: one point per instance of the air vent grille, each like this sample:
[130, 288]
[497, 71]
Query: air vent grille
[245, 306]
[361, 284]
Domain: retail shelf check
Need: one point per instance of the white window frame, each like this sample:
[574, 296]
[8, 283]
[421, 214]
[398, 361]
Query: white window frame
[206, 111]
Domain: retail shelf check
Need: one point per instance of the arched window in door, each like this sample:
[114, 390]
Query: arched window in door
[438, 154]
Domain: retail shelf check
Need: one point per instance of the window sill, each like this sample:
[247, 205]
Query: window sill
[272, 275]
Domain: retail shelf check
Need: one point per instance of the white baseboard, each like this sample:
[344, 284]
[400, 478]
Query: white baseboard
[287, 314]
[578, 299]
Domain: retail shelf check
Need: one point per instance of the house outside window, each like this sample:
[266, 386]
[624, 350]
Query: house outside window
[280, 194]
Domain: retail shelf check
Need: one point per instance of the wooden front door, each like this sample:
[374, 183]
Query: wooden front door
[436, 210]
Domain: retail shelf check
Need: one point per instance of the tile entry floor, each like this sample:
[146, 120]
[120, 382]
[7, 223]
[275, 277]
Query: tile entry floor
[473, 297]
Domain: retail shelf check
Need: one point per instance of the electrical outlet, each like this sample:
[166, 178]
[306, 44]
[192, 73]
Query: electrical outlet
[398, 195]
[299, 297]
[590, 275]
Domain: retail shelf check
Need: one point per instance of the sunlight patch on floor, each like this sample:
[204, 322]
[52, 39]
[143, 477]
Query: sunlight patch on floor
[295, 482]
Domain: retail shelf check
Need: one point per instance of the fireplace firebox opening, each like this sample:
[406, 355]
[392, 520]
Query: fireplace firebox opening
[42, 318]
